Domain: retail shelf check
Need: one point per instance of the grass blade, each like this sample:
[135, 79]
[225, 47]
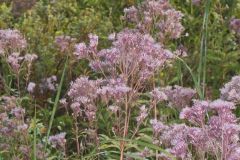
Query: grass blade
[196, 84]
[35, 135]
[203, 49]
[56, 103]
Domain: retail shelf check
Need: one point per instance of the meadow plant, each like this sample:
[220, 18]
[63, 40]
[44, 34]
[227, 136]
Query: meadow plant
[15, 131]
[212, 130]
[83, 92]
[14, 137]
[12, 48]
[132, 60]
[126, 66]
[158, 15]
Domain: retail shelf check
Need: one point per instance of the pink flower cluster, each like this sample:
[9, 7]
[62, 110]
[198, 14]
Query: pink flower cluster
[49, 83]
[13, 128]
[12, 117]
[142, 114]
[197, 113]
[85, 51]
[177, 96]
[12, 43]
[235, 25]
[129, 62]
[231, 90]
[113, 89]
[31, 86]
[30, 57]
[58, 141]
[127, 65]
[11, 39]
[214, 131]
[15, 60]
[157, 14]
[64, 43]
[132, 54]
[83, 94]
[158, 95]
[132, 60]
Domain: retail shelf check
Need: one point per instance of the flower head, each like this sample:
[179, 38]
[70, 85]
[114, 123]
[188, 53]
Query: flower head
[158, 95]
[31, 87]
[142, 115]
[12, 39]
[179, 97]
[30, 57]
[14, 60]
[231, 90]
[235, 25]
[195, 114]
[83, 94]
[167, 20]
[64, 43]
[58, 140]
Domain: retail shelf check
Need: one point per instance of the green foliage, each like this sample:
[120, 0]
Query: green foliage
[222, 45]
[44, 22]
[6, 18]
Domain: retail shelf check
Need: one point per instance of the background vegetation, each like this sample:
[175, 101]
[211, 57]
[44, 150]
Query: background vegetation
[208, 42]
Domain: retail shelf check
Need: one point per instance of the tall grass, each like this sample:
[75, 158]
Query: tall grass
[203, 49]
